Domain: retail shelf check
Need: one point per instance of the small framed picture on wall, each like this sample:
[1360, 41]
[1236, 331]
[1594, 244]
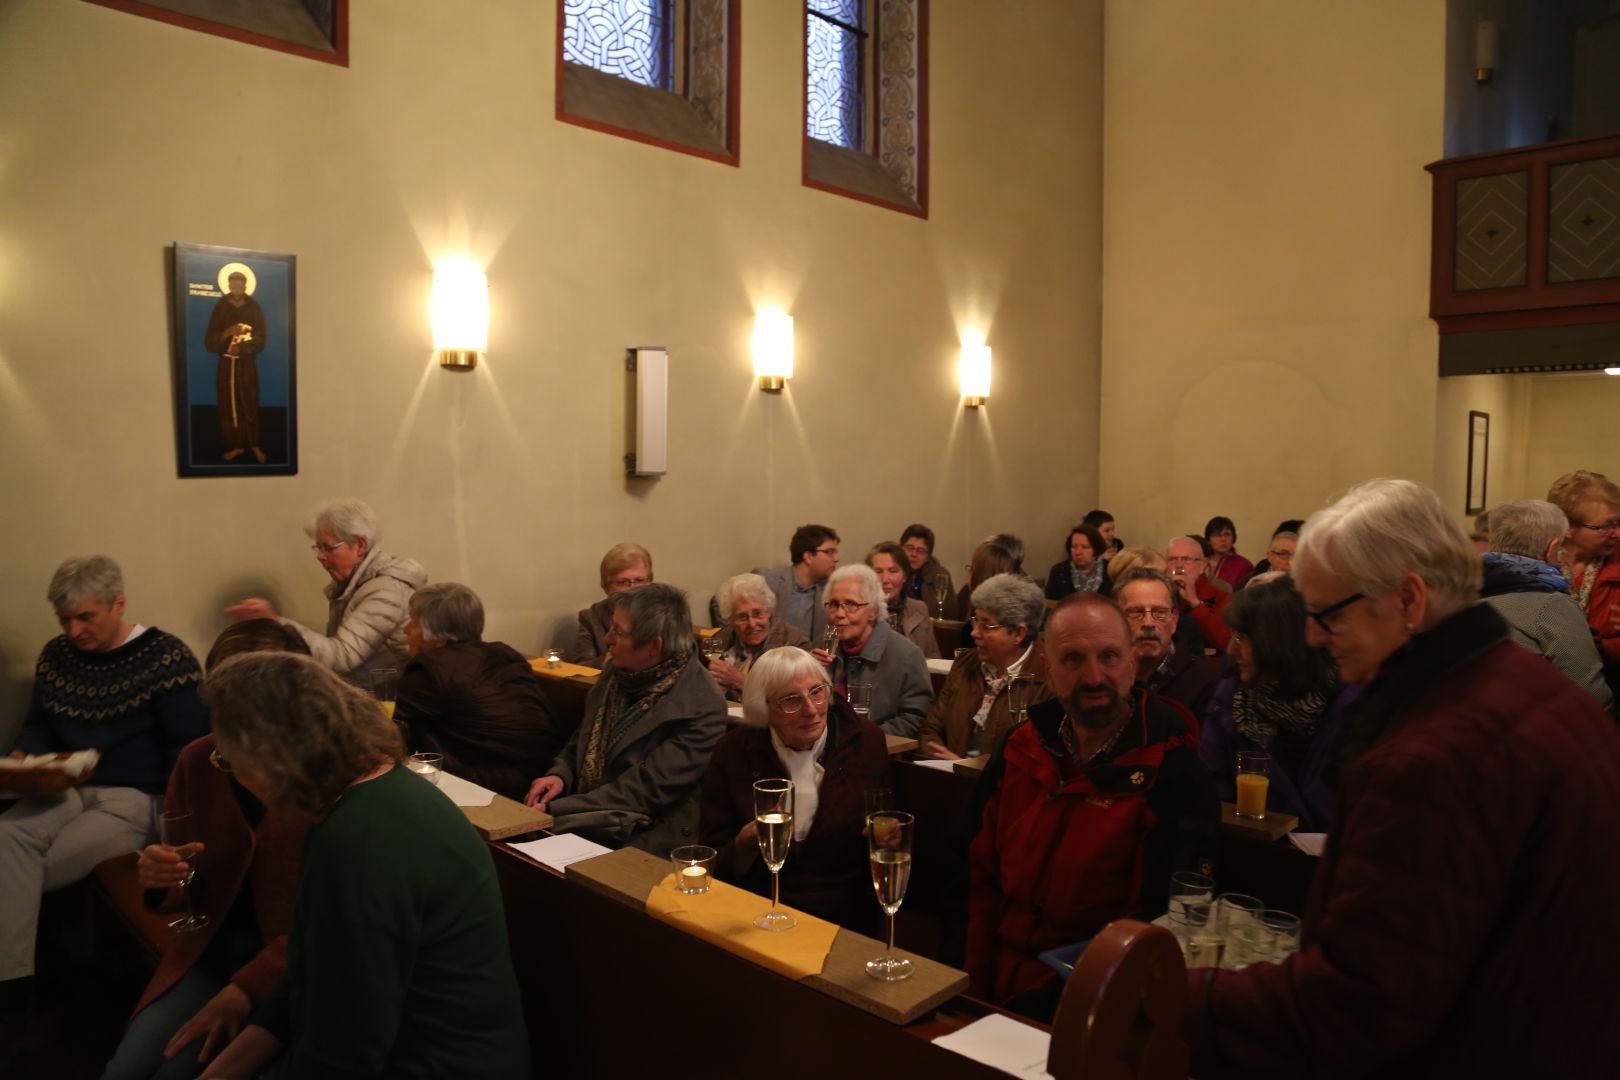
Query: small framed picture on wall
[1479, 453]
[235, 361]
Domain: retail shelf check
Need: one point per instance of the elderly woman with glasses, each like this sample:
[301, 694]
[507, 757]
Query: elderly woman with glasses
[1285, 700]
[397, 958]
[477, 702]
[625, 566]
[795, 727]
[748, 608]
[1591, 502]
[209, 980]
[631, 772]
[990, 686]
[907, 617]
[1478, 789]
[870, 654]
[366, 601]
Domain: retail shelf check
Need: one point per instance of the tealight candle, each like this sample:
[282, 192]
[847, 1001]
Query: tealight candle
[425, 765]
[553, 658]
[694, 879]
[693, 868]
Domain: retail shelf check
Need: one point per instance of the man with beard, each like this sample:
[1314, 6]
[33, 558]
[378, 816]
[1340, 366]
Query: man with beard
[236, 335]
[1161, 668]
[1094, 803]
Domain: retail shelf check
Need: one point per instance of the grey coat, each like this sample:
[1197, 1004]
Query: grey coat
[648, 797]
[1551, 624]
[902, 693]
[365, 619]
[782, 583]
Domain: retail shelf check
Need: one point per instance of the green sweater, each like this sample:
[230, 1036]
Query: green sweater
[397, 961]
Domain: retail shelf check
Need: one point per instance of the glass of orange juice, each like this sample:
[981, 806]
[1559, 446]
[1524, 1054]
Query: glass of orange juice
[1253, 780]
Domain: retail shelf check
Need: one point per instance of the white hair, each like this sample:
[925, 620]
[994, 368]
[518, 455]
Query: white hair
[867, 579]
[734, 590]
[446, 611]
[1383, 530]
[1527, 527]
[766, 677]
[349, 520]
[1012, 601]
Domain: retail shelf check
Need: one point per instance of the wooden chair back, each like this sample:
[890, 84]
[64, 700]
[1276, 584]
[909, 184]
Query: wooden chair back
[1120, 1014]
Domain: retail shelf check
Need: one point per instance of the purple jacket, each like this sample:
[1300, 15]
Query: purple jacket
[1302, 790]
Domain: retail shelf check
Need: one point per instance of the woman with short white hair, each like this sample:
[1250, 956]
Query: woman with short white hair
[367, 600]
[869, 653]
[794, 727]
[748, 608]
[1477, 791]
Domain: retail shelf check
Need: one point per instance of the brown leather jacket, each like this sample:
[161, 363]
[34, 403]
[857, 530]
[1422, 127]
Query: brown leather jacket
[950, 721]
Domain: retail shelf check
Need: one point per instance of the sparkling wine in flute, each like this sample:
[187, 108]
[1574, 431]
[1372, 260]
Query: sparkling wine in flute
[829, 641]
[891, 873]
[775, 837]
[179, 835]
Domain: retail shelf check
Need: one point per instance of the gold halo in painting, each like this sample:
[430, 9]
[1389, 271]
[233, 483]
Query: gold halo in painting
[244, 269]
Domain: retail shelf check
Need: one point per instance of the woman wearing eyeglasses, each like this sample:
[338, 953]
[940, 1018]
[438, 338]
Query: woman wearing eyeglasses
[870, 653]
[1477, 791]
[209, 980]
[625, 566]
[795, 727]
[991, 685]
[367, 601]
[1285, 699]
[1591, 502]
[748, 607]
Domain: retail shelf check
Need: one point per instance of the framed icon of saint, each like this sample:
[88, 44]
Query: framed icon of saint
[235, 361]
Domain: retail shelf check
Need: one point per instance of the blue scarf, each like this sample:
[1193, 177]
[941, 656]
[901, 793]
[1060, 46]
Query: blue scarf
[1506, 573]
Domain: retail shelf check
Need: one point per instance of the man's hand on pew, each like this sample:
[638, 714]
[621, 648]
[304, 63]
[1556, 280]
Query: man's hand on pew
[542, 791]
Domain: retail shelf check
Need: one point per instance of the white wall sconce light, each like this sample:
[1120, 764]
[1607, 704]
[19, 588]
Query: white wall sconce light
[460, 314]
[1484, 51]
[773, 350]
[973, 373]
[1611, 371]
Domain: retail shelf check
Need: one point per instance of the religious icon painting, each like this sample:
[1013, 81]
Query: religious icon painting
[235, 361]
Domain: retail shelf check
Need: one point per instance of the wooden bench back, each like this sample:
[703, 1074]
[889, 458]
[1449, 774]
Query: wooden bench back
[1120, 1015]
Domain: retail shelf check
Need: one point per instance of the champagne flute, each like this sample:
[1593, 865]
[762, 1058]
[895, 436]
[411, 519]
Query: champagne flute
[940, 594]
[180, 836]
[714, 647]
[888, 839]
[829, 641]
[773, 816]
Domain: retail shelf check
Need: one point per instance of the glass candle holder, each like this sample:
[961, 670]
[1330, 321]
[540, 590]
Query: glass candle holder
[694, 868]
[427, 766]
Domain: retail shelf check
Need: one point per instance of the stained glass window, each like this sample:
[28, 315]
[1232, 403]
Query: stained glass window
[628, 38]
[835, 42]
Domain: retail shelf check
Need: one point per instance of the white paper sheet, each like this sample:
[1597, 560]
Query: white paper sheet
[1309, 842]
[734, 711]
[75, 764]
[560, 850]
[464, 792]
[939, 667]
[1002, 1043]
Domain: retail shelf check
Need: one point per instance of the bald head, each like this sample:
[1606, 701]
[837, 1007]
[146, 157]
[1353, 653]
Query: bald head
[1089, 664]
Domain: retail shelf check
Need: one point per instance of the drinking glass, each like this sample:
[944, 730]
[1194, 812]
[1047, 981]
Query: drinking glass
[180, 836]
[860, 699]
[1279, 934]
[427, 766]
[1253, 778]
[713, 648]
[773, 815]
[941, 594]
[888, 841]
[1238, 918]
[694, 867]
[554, 657]
[1201, 940]
[829, 641]
[384, 684]
[1187, 887]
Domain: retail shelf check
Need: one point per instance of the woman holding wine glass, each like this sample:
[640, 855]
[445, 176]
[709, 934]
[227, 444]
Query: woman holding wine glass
[867, 651]
[748, 609]
[794, 728]
[398, 960]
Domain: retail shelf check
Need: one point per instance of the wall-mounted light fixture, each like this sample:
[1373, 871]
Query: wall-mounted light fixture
[460, 314]
[1611, 371]
[773, 350]
[1484, 51]
[973, 373]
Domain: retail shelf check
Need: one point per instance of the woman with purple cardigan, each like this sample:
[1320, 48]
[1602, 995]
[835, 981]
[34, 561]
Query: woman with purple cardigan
[1286, 699]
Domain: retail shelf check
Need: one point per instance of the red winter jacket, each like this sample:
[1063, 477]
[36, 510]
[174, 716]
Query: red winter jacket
[1458, 923]
[1057, 859]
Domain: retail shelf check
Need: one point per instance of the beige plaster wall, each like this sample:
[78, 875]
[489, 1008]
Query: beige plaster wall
[119, 136]
[1572, 425]
[1265, 256]
[1506, 399]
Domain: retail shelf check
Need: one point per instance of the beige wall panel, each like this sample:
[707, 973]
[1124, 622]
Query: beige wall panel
[120, 135]
[1574, 424]
[1266, 244]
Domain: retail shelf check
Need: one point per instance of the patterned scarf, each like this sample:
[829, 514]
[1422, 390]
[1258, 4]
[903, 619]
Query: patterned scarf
[1086, 581]
[1260, 713]
[625, 699]
[1582, 590]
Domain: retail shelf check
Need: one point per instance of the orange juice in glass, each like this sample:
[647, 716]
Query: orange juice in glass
[1253, 781]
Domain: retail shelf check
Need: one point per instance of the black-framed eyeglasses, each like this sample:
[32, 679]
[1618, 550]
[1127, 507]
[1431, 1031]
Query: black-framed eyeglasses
[218, 761]
[1321, 617]
[827, 550]
[1157, 614]
[793, 704]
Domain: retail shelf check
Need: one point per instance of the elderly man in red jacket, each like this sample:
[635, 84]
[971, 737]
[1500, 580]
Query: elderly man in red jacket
[1097, 799]
[1456, 924]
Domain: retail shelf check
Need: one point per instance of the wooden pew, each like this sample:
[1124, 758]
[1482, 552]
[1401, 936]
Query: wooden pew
[950, 635]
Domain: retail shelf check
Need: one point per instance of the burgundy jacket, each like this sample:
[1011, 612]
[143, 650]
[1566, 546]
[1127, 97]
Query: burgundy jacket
[235, 857]
[828, 875]
[1456, 924]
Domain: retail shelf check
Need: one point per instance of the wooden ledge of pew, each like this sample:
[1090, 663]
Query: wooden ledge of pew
[564, 671]
[504, 819]
[1274, 826]
[629, 874]
[899, 744]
